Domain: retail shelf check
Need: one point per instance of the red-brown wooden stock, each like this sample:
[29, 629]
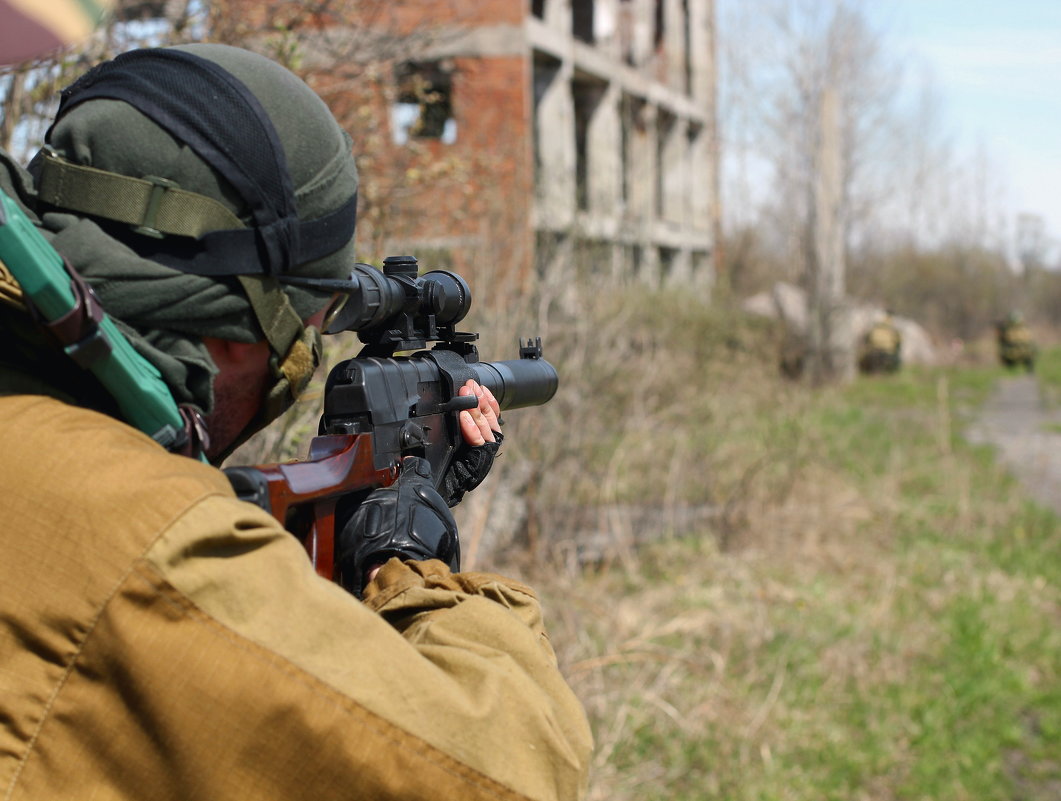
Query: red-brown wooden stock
[337, 465]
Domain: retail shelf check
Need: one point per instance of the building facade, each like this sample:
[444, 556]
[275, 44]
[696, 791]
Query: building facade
[623, 109]
[551, 135]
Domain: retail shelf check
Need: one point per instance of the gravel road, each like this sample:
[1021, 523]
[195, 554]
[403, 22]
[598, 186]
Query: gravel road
[1027, 436]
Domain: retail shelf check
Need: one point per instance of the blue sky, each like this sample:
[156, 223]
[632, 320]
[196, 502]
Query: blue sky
[997, 68]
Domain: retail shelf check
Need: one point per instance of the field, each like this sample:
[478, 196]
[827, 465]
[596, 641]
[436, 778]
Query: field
[871, 612]
[763, 591]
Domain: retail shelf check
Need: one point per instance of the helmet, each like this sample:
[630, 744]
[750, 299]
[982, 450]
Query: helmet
[223, 167]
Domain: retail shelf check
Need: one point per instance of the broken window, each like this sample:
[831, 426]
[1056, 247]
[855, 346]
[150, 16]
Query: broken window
[538, 8]
[582, 20]
[687, 56]
[546, 69]
[587, 92]
[424, 106]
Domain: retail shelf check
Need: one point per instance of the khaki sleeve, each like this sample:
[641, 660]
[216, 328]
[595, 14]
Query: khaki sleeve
[457, 665]
[408, 594]
[483, 629]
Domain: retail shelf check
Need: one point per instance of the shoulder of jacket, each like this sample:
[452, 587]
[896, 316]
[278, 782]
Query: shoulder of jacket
[73, 451]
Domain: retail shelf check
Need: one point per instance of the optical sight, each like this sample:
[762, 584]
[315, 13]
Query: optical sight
[396, 309]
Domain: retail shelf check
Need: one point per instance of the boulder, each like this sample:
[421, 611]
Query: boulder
[788, 303]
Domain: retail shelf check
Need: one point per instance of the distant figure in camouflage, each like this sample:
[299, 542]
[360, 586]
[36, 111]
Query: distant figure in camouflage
[1016, 346]
[882, 346]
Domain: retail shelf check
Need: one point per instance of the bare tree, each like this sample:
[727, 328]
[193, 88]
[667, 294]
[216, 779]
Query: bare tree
[823, 90]
[29, 92]
[829, 105]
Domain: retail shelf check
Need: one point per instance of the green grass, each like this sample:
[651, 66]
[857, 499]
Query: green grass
[984, 574]
[1048, 370]
[886, 628]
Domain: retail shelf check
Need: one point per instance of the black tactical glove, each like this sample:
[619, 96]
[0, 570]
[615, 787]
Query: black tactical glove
[469, 467]
[408, 519]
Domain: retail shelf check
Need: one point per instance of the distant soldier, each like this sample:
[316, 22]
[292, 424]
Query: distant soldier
[1016, 346]
[882, 346]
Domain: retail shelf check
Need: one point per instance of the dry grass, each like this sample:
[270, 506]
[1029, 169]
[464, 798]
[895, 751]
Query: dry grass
[854, 620]
[763, 592]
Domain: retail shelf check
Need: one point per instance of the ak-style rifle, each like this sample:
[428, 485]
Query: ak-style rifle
[380, 407]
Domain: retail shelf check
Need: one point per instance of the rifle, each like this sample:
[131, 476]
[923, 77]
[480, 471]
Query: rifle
[380, 407]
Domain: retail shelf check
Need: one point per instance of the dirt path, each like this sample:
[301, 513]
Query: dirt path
[1027, 436]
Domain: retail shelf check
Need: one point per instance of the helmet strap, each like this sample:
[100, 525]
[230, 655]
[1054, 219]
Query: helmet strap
[296, 351]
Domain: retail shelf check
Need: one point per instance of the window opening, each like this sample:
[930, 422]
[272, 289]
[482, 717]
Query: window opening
[424, 106]
[687, 55]
[657, 39]
[587, 94]
[582, 20]
[546, 68]
[636, 265]
[631, 130]
[667, 258]
[665, 129]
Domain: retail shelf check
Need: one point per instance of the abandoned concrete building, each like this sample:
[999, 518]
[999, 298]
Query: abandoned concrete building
[623, 137]
[549, 134]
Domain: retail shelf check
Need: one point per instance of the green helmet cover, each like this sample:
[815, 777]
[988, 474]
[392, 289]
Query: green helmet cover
[164, 305]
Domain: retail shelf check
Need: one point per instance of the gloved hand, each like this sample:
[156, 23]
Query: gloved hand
[481, 433]
[408, 519]
[468, 468]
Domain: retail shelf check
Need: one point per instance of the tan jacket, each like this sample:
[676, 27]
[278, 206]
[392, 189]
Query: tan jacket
[161, 640]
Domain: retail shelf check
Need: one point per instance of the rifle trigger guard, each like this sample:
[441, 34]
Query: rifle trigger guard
[459, 403]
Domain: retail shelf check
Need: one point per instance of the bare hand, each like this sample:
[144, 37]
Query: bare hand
[479, 424]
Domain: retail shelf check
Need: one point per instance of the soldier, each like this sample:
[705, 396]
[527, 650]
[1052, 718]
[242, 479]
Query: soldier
[160, 639]
[882, 345]
[1016, 346]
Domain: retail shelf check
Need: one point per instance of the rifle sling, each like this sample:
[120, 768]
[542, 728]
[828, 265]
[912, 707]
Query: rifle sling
[77, 331]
